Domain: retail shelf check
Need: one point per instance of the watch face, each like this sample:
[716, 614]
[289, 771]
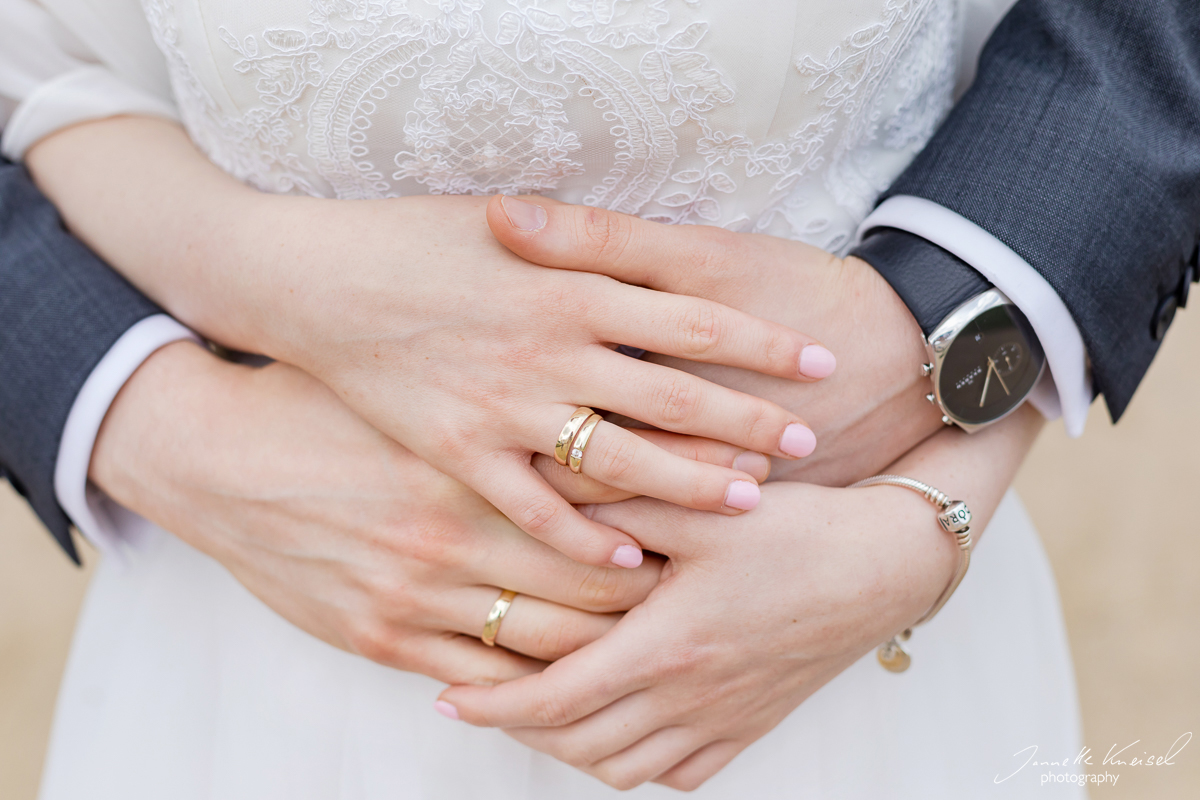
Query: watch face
[990, 366]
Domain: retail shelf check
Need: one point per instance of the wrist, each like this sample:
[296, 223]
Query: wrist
[144, 438]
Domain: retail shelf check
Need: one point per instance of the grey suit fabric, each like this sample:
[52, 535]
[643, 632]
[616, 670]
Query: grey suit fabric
[1078, 146]
[61, 309]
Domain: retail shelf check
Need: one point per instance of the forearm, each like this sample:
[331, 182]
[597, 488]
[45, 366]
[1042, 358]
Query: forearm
[139, 194]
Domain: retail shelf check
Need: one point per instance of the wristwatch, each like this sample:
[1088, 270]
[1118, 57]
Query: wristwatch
[983, 355]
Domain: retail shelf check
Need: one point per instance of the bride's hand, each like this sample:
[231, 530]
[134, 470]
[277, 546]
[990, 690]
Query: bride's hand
[347, 534]
[866, 415]
[409, 309]
[735, 637]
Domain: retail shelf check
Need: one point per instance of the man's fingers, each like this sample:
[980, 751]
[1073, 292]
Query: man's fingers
[534, 627]
[455, 659]
[515, 488]
[523, 564]
[682, 259]
[579, 488]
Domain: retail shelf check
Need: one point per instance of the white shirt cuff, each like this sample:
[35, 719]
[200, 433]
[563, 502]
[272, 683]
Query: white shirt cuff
[86, 505]
[1067, 386]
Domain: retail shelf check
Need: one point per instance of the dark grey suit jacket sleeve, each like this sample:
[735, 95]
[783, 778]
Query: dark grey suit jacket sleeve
[1078, 146]
[61, 309]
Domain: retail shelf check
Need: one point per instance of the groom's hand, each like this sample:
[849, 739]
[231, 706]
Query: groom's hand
[347, 534]
[865, 415]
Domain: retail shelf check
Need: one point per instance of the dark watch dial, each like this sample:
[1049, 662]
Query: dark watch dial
[990, 366]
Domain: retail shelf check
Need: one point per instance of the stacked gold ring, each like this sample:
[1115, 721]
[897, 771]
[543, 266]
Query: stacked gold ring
[491, 626]
[572, 441]
[562, 447]
[575, 456]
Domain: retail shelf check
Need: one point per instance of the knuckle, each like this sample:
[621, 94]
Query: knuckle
[605, 235]
[374, 642]
[553, 710]
[700, 328]
[677, 399]
[617, 458]
[622, 779]
[675, 662]
[759, 426]
[538, 515]
[602, 590]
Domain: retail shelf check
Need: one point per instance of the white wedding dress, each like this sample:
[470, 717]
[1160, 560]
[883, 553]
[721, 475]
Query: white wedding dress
[782, 116]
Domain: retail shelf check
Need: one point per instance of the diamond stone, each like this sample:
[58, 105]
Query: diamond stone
[576, 453]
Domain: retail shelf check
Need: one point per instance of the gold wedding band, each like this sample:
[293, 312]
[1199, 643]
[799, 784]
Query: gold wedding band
[562, 447]
[492, 626]
[575, 457]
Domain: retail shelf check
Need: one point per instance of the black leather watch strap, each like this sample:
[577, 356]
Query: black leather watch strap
[931, 281]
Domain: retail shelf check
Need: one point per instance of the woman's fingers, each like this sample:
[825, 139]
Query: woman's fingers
[700, 330]
[649, 758]
[600, 735]
[677, 401]
[534, 627]
[617, 457]
[579, 488]
[568, 690]
[689, 774]
[518, 492]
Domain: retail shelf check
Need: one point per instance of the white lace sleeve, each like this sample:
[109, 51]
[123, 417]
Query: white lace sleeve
[72, 63]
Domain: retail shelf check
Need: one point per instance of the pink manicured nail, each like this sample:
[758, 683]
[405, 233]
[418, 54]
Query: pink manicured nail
[445, 709]
[742, 495]
[817, 362]
[627, 556]
[754, 464]
[523, 216]
[798, 441]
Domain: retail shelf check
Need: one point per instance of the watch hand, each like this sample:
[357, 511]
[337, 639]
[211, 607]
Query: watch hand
[993, 366]
[987, 380]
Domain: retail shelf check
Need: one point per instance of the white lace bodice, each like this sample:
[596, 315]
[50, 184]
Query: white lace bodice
[782, 116]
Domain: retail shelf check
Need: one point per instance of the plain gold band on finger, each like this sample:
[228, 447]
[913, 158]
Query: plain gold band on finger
[563, 446]
[575, 457]
[491, 627]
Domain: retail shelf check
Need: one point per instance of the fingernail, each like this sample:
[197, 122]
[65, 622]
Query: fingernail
[817, 362]
[523, 216]
[627, 556]
[445, 709]
[742, 495]
[798, 441]
[754, 464]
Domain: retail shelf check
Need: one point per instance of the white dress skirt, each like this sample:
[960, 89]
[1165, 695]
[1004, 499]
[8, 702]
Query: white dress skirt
[786, 117]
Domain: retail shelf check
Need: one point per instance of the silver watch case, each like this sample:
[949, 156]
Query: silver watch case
[937, 345]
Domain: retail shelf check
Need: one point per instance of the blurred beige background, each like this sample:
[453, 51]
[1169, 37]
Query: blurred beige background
[1119, 512]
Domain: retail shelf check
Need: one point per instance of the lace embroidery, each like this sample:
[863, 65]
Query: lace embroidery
[617, 103]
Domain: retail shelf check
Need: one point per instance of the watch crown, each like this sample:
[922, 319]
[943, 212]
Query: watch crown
[946, 420]
[926, 369]
[931, 397]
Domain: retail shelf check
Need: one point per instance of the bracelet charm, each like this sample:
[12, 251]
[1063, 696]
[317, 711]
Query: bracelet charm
[955, 518]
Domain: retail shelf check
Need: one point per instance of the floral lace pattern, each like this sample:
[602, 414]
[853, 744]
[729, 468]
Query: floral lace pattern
[643, 106]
